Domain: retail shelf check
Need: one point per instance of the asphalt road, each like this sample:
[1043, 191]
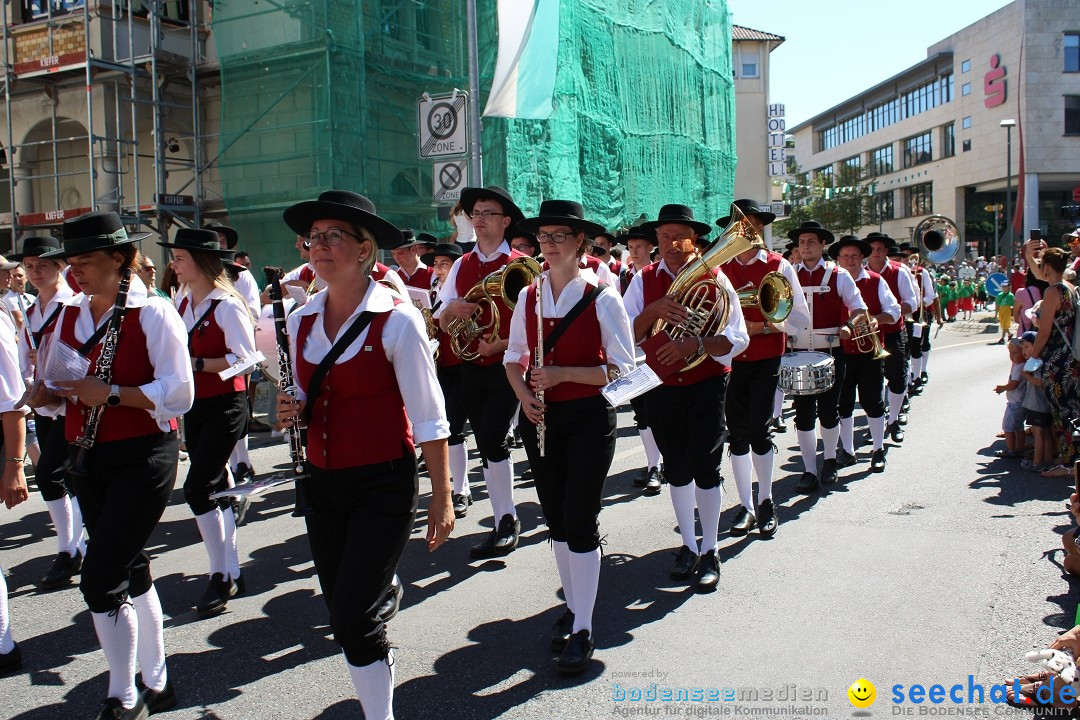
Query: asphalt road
[945, 566]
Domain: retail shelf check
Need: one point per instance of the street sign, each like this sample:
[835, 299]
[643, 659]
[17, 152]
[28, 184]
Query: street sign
[443, 121]
[447, 179]
[966, 273]
[994, 282]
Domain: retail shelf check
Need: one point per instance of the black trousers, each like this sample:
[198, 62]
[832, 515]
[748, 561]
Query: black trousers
[490, 405]
[866, 374]
[749, 404]
[450, 382]
[122, 496]
[896, 365]
[49, 474]
[688, 426]
[579, 444]
[918, 346]
[821, 407]
[358, 531]
[641, 418]
[212, 428]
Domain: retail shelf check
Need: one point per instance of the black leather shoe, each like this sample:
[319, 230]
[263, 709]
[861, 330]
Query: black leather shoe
[766, 517]
[642, 478]
[244, 474]
[877, 461]
[392, 600]
[652, 483]
[744, 522]
[64, 568]
[216, 596]
[708, 572]
[923, 379]
[462, 501]
[113, 710]
[905, 407]
[845, 459]
[506, 537]
[686, 564]
[158, 701]
[778, 425]
[241, 585]
[808, 483]
[828, 471]
[896, 432]
[901, 418]
[577, 654]
[561, 631]
[486, 547]
[12, 661]
[240, 507]
[256, 426]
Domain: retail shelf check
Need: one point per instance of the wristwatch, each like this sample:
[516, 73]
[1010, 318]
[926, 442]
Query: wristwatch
[199, 363]
[114, 396]
[767, 329]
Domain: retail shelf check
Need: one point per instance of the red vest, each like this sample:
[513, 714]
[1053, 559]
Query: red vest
[580, 345]
[307, 273]
[472, 271]
[419, 279]
[46, 329]
[379, 271]
[131, 367]
[654, 285]
[337, 437]
[891, 275]
[761, 346]
[625, 277]
[208, 341]
[868, 286]
[615, 266]
[72, 283]
[828, 307]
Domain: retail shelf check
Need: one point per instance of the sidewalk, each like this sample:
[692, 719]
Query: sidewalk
[983, 322]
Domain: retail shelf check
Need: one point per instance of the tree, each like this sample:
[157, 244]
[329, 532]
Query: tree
[841, 201]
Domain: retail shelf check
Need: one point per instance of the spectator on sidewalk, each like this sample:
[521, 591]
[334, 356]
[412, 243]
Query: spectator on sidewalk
[1012, 424]
[1004, 302]
[1036, 412]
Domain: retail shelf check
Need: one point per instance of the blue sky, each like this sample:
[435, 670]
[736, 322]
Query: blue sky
[837, 48]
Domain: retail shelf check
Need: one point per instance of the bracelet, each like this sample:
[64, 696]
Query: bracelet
[700, 346]
[14, 460]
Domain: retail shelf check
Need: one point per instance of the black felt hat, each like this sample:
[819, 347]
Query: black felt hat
[637, 233]
[347, 206]
[36, 246]
[849, 240]
[674, 214]
[198, 241]
[811, 226]
[748, 207]
[881, 238]
[231, 236]
[449, 250]
[470, 195]
[91, 232]
[561, 212]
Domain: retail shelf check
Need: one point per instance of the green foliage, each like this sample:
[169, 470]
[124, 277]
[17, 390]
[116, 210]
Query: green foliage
[842, 201]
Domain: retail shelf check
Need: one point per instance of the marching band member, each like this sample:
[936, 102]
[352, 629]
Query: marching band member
[490, 403]
[410, 268]
[920, 346]
[754, 374]
[219, 330]
[686, 413]
[863, 370]
[602, 243]
[130, 466]
[589, 336]
[525, 243]
[371, 347]
[833, 298]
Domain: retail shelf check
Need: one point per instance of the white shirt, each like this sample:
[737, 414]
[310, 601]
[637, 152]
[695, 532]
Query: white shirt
[294, 274]
[928, 287]
[604, 275]
[172, 390]
[12, 385]
[889, 304]
[734, 331]
[249, 290]
[799, 318]
[849, 296]
[905, 283]
[405, 275]
[12, 300]
[448, 292]
[616, 334]
[405, 343]
[231, 315]
[394, 279]
[35, 319]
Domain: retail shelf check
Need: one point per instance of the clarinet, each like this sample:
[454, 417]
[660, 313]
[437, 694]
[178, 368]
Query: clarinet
[538, 362]
[78, 469]
[287, 385]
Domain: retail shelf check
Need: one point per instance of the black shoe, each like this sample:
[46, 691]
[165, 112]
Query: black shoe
[244, 474]
[216, 596]
[914, 389]
[240, 507]
[562, 630]
[113, 710]
[877, 461]
[708, 572]
[652, 483]
[64, 568]
[845, 459]
[392, 600]
[766, 516]
[901, 418]
[12, 661]
[905, 407]
[808, 483]
[486, 547]
[923, 379]
[744, 522]
[577, 654]
[642, 478]
[256, 426]
[896, 432]
[506, 537]
[828, 471]
[158, 700]
[686, 564]
[241, 586]
[778, 425]
[462, 501]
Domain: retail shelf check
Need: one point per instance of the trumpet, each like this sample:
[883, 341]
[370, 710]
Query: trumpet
[505, 284]
[773, 298]
[866, 338]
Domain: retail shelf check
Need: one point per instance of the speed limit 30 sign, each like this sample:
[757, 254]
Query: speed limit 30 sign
[442, 121]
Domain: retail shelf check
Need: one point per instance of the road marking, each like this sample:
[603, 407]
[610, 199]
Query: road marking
[973, 342]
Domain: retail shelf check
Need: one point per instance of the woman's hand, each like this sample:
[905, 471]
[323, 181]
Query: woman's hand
[91, 390]
[40, 396]
[546, 378]
[288, 409]
[440, 522]
[533, 408]
[13, 485]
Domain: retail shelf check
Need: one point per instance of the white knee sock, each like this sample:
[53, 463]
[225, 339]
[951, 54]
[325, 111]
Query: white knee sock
[742, 469]
[118, 634]
[682, 499]
[239, 454]
[77, 526]
[847, 434]
[709, 504]
[7, 642]
[151, 644]
[585, 569]
[877, 430]
[230, 553]
[60, 514]
[778, 403]
[896, 401]
[924, 361]
[501, 475]
[829, 436]
[562, 562]
[374, 685]
[652, 453]
[212, 529]
[808, 448]
[459, 468]
[763, 468]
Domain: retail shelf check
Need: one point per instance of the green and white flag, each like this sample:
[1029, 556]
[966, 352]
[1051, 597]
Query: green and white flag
[525, 70]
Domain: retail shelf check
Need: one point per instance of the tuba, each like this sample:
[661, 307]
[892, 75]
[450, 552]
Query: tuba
[698, 290]
[937, 239]
[773, 298]
[505, 284]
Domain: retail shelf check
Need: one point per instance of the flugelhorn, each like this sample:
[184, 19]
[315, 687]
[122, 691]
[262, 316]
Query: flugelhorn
[866, 339]
[505, 283]
[773, 297]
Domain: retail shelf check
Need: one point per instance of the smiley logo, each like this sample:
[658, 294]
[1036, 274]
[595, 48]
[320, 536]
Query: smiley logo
[862, 693]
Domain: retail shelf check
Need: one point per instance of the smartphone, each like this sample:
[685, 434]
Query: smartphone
[1076, 477]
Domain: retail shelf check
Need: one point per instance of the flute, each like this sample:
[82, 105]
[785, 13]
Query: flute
[538, 359]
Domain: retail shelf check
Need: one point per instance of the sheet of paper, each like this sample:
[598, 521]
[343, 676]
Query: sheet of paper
[254, 488]
[62, 363]
[420, 297]
[297, 294]
[242, 365]
[637, 382]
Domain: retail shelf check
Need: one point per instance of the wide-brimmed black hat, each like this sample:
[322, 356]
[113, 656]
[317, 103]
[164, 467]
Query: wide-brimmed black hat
[811, 226]
[342, 205]
[748, 207]
[561, 212]
[196, 240]
[881, 238]
[895, 252]
[907, 248]
[610, 237]
[530, 236]
[232, 238]
[470, 195]
[849, 240]
[36, 246]
[674, 214]
[636, 233]
[427, 239]
[449, 250]
[91, 232]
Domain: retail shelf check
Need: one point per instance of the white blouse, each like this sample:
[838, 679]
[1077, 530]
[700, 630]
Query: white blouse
[12, 385]
[231, 315]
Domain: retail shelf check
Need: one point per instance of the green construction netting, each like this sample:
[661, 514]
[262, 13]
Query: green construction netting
[322, 93]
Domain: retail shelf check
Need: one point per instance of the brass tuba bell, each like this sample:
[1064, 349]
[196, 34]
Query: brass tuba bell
[937, 239]
[773, 297]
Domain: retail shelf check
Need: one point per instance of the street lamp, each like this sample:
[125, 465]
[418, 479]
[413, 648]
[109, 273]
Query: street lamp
[1008, 125]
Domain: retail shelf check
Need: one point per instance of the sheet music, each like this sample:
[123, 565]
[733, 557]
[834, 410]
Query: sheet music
[254, 488]
[60, 363]
[627, 387]
[242, 365]
[420, 297]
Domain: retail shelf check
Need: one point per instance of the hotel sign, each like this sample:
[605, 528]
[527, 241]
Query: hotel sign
[777, 145]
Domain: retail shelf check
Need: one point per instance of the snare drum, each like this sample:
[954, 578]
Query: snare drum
[806, 373]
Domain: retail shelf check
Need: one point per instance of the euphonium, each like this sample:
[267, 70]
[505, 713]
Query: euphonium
[505, 283]
[866, 338]
[773, 298]
[697, 289]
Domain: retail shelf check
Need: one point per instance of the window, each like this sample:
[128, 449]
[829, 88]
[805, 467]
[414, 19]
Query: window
[907, 104]
[853, 162]
[967, 145]
[919, 199]
[826, 173]
[965, 66]
[748, 63]
[966, 123]
[949, 141]
[36, 9]
[965, 89]
[1072, 52]
[1072, 114]
[883, 206]
[881, 161]
[917, 150]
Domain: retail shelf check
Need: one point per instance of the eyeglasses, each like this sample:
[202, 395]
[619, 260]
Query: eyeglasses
[330, 238]
[485, 214]
[523, 248]
[555, 237]
[148, 268]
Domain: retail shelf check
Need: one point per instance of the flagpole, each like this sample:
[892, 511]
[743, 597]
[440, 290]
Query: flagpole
[476, 166]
